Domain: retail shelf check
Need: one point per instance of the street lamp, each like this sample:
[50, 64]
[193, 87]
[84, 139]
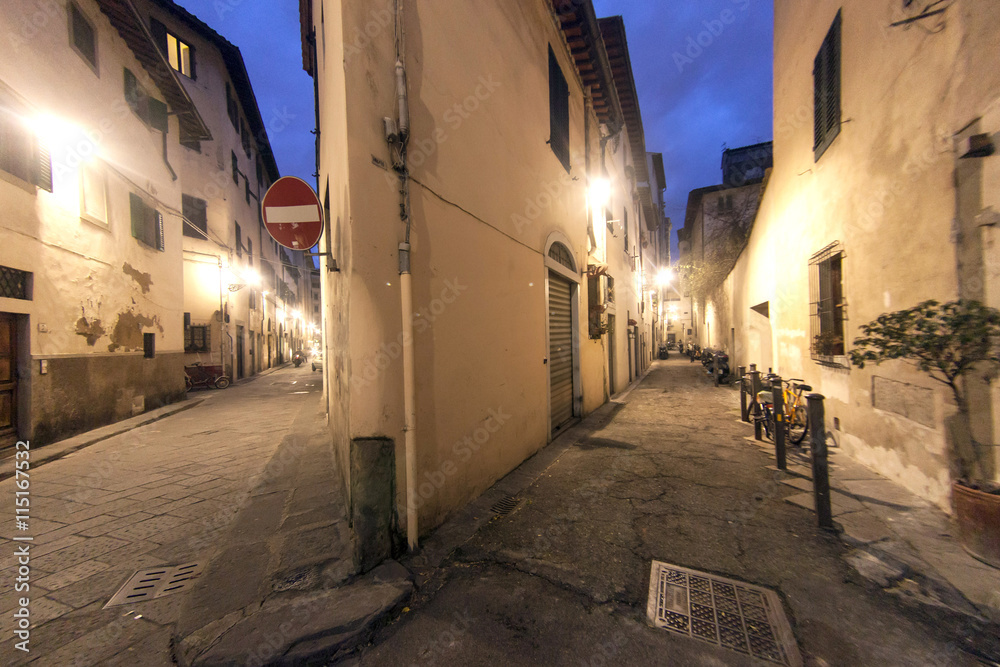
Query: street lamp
[664, 277]
[600, 192]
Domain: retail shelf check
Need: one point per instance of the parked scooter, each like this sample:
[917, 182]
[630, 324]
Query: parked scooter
[298, 358]
[708, 361]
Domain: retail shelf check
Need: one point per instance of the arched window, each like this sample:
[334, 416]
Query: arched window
[561, 254]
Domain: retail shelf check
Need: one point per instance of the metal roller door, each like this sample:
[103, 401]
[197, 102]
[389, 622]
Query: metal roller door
[560, 350]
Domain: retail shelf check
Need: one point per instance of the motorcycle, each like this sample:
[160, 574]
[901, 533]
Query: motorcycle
[708, 361]
[298, 358]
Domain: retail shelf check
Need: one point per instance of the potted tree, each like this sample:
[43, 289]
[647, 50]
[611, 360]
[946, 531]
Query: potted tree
[956, 343]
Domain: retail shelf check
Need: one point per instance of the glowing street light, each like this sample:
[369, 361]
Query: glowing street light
[600, 192]
[664, 277]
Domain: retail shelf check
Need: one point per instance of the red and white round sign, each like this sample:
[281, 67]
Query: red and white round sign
[292, 213]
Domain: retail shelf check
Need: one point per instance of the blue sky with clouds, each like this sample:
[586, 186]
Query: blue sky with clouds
[702, 69]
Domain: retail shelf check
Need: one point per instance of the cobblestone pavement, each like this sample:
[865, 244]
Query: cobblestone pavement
[668, 475]
[160, 494]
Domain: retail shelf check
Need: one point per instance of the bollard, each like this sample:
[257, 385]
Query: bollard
[744, 415]
[779, 422]
[754, 388]
[820, 465]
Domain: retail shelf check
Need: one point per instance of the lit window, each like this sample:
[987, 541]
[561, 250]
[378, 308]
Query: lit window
[179, 54]
[827, 307]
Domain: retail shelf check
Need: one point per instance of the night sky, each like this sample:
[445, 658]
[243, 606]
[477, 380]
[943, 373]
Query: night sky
[702, 69]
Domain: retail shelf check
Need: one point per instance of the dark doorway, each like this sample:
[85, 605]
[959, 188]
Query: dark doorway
[611, 355]
[239, 351]
[8, 379]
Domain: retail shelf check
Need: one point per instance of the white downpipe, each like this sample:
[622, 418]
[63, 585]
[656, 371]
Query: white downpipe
[409, 405]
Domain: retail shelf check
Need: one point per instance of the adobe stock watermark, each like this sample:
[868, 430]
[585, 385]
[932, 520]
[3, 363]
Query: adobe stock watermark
[423, 320]
[696, 45]
[463, 450]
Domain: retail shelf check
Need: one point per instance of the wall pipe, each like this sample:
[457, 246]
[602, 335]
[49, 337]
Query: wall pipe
[406, 295]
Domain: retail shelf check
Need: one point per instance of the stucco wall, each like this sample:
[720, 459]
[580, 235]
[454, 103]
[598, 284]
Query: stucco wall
[884, 189]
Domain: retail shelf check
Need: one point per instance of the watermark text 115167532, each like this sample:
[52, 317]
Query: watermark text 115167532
[22, 548]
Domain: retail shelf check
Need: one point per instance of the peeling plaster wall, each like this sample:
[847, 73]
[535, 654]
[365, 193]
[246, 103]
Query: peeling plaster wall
[96, 289]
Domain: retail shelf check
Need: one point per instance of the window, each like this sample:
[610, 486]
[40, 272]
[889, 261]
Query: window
[15, 284]
[246, 189]
[250, 252]
[94, 193]
[21, 153]
[82, 36]
[826, 91]
[196, 338]
[245, 137]
[561, 254]
[260, 172]
[625, 227]
[152, 111]
[195, 217]
[147, 223]
[149, 345]
[827, 307]
[231, 107]
[558, 111]
[179, 54]
[236, 168]
[239, 240]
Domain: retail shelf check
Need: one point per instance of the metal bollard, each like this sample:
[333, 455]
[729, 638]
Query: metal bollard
[820, 465]
[754, 388]
[740, 372]
[779, 422]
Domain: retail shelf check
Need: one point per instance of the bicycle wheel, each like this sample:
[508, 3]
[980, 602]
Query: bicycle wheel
[767, 420]
[798, 425]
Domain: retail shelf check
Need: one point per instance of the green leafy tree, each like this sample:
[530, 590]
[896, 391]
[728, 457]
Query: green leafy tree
[947, 341]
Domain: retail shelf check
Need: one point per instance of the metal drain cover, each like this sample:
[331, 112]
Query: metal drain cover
[155, 582]
[505, 506]
[732, 614]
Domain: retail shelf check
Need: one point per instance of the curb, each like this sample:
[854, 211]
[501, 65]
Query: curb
[57, 450]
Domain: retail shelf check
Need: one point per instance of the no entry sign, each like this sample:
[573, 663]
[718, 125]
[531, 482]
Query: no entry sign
[292, 213]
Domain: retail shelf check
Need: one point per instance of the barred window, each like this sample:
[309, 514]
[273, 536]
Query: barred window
[828, 309]
[196, 338]
[15, 284]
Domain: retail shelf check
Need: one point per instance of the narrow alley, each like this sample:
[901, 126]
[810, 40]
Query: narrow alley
[665, 474]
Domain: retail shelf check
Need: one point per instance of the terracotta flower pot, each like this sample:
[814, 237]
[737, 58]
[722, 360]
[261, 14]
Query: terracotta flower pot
[978, 515]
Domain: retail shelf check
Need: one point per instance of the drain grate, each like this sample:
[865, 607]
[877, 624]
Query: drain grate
[155, 583]
[737, 616]
[505, 506]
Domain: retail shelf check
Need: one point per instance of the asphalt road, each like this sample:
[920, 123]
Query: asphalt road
[564, 578]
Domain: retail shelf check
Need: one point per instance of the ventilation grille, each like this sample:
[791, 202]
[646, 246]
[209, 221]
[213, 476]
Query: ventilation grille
[155, 583]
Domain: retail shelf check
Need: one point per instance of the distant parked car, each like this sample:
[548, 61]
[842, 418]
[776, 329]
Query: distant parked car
[317, 361]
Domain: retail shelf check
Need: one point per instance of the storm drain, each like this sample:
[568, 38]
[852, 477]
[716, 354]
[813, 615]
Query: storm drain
[155, 583]
[504, 506]
[737, 616]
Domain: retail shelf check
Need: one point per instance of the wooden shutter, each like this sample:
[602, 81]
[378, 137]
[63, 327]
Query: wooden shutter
[159, 34]
[826, 89]
[43, 173]
[558, 111]
[157, 116]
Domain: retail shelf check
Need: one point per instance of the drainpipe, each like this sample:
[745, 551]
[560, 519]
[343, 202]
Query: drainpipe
[406, 294]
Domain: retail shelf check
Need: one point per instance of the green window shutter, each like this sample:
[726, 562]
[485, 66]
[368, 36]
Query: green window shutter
[159, 34]
[137, 209]
[157, 115]
[158, 229]
[132, 95]
[43, 175]
[194, 70]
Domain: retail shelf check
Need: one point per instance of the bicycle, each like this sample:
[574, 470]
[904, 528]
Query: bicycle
[796, 417]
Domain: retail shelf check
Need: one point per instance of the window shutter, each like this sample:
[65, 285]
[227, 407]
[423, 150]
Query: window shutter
[137, 210]
[131, 90]
[236, 169]
[159, 34]
[194, 71]
[833, 77]
[43, 176]
[158, 115]
[158, 229]
[558, 111]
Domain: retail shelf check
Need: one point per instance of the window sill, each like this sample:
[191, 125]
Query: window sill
[832, 361]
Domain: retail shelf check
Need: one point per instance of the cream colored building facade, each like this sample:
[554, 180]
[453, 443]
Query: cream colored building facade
[506, 245]
[889, 198]
[92, 219]
[246, 298]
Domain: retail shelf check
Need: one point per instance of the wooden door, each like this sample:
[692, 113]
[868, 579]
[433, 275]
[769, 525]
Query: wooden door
[8, 379]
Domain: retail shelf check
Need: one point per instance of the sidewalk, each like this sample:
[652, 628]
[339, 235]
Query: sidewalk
[899, 541]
